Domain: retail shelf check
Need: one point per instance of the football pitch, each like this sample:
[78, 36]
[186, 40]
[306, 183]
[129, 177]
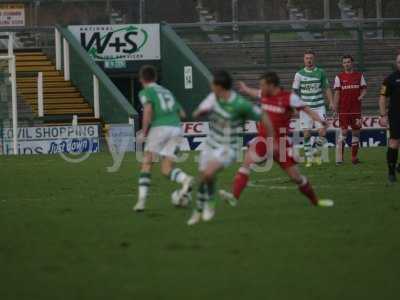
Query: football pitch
[67, 231]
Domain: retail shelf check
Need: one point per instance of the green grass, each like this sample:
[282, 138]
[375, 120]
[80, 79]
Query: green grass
[67, 231]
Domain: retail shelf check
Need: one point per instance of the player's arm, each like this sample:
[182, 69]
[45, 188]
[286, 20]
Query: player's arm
[182, 114]
[298, 104]
[147, 117]
[268, 125]
[384, 94]
[328, 91]
[254, 113]
[205, 107]
[363, 86]
[314, 116]
[336, 99]
[382, 109]
[296, 84]
[363, 93]
[329, 96]
[251, 92]
[336, 96]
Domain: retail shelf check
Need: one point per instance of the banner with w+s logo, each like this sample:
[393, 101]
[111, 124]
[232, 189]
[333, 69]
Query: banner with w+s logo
[128, 42]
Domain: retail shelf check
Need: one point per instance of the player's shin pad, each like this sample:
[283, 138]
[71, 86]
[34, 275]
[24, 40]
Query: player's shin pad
[355, 144]
[144, 184]
[320, 143]
[177, 175]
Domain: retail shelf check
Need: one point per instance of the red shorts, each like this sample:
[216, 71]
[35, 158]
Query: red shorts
[283, 155]
[347, 120]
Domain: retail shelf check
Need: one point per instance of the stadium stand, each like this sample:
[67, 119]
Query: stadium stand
[61, 97]
[247, 60]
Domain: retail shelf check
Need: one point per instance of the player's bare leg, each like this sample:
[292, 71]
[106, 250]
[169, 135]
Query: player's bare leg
[305, 187]
[392, 157]
[144, 182]
[308, 148]
[174, 174]
[355, 144]
[205, 204]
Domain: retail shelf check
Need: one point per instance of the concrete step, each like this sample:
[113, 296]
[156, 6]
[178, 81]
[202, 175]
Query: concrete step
[31, 58]
[38, 63]
[55, 96]
[57, 100]
[46, 78]
[49, 90]
[66, 111]
[35, 68]
[33, 84]
[53, 106]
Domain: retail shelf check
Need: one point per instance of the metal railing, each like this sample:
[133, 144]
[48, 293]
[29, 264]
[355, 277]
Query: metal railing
[31, 38]
[11, 70]
[97, 88]
[278, 24]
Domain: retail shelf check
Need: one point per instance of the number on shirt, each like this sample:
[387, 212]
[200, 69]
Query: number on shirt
[167, 102]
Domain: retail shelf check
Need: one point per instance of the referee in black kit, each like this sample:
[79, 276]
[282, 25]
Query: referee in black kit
[391, 89]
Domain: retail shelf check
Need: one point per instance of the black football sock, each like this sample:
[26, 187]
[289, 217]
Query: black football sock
[392, 156]
[202, 196]
[211, 190]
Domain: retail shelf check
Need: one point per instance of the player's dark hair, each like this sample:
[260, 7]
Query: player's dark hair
[348, 56]
[223, 79]
[309, 51]
[271, 78]
[148, 73]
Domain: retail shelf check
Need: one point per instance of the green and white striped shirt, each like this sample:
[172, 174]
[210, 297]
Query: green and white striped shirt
[310, 85]
[227, 119]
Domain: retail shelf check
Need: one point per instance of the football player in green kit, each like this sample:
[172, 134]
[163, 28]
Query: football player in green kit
[161, 130]
[227, 112]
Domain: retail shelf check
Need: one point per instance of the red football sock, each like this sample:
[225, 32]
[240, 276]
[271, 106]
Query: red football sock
[354, 150]
[240, 182]
[307, 190]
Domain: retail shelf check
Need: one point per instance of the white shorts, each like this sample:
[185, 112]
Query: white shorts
[307, 123]
[164, 141]
[224, 155]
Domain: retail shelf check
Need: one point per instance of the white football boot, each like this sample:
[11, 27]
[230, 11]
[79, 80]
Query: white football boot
[208, 212]
[195, 218]
[140, 205]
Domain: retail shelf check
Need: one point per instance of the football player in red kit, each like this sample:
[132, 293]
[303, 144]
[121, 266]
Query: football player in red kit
[279, 105]
[350, 88]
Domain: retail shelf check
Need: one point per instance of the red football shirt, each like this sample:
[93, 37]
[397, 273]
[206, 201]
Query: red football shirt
[280, 111]
[350, 86]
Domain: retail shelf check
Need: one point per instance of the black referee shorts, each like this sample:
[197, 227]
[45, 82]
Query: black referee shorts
[394, 127]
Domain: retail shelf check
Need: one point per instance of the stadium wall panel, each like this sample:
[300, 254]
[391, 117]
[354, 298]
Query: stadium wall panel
[176, 55]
